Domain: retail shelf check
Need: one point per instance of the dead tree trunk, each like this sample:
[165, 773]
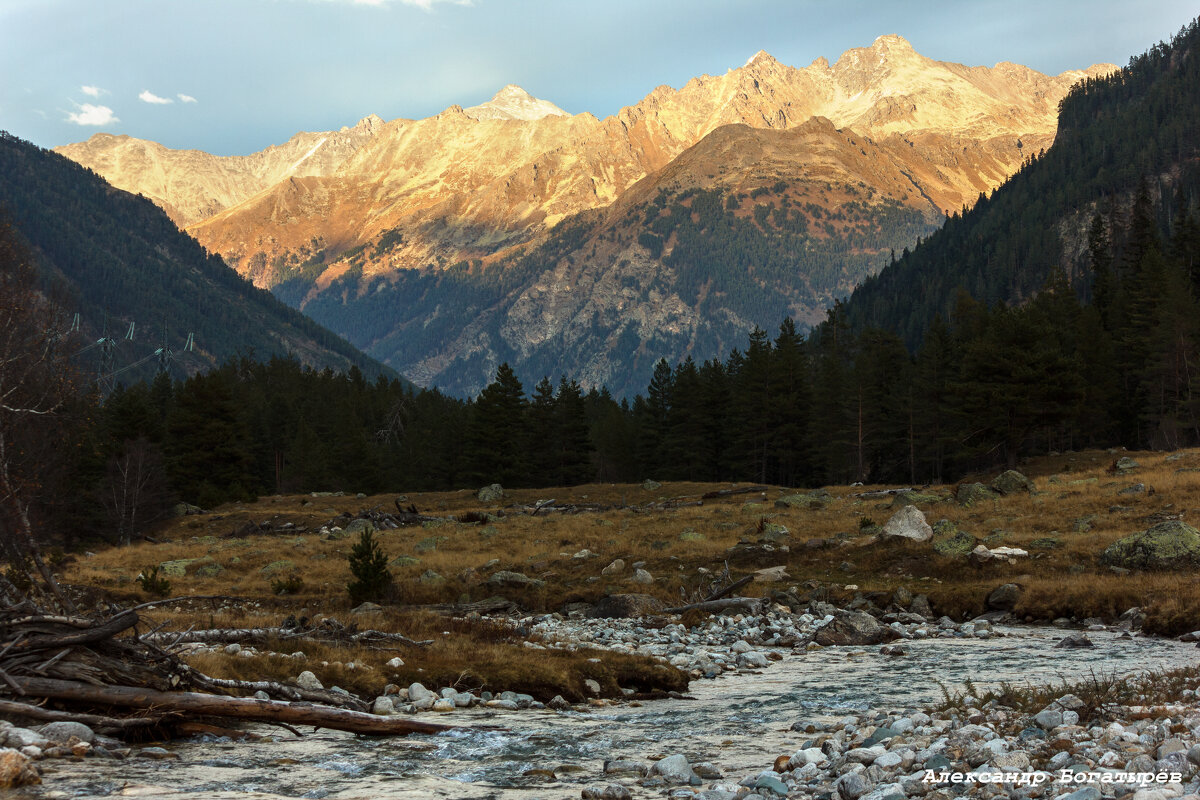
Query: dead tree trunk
[192, 703]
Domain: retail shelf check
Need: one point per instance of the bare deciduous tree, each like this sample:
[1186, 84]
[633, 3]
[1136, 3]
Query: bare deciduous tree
[35, 381]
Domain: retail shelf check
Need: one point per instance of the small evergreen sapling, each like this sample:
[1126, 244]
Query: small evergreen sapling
[368, 565]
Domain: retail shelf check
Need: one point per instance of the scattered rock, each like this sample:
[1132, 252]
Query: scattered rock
[615, 568]
[970, 494]
[1075, 640]
[1011, 482]
[492, 493]
[674, 770]
[61, 732]
[651, 485]
[1003, 597]
[908, 523]
[854, 628]
[641, 576]
[367, 608]
[307, 680]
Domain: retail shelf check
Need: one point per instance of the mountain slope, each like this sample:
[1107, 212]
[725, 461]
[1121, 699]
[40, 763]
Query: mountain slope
[1139, 127]
[468, 183]
[125, 261]
[571, 244]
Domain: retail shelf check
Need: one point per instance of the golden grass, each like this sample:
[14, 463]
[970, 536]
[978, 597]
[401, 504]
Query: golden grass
[1062, 577]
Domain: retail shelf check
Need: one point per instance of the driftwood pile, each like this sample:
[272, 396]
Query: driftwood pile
[104, 673]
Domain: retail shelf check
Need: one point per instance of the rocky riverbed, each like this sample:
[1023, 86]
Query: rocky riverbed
[838, 722]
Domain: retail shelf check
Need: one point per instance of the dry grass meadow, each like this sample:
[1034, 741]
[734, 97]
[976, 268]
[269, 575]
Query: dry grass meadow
[1075, 513]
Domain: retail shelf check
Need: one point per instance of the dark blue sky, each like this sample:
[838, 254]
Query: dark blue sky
[242, 74]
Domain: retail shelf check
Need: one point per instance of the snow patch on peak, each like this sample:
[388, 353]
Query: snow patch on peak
[761, 57]
[513, 102]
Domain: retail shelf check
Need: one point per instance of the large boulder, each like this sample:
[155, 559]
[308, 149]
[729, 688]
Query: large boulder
[854, 628]
[492, 493]
[626, 606]
[1011, 482]
[1168, 545]
[908, 523]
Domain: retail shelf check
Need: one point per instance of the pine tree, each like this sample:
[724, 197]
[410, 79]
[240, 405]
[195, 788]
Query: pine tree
[368, 565]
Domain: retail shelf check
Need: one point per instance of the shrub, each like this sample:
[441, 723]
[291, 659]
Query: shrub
[290, 585]
[368, 565]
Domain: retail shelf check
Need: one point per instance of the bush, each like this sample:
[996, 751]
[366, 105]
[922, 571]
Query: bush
[152, 584]
[368, 565]
[290, 585]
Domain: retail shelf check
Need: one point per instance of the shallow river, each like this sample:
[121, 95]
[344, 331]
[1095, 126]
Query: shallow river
[739, 722]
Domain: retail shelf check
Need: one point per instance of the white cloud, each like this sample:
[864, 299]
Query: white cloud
[149, 97]
[186, 98]
[91, 91]
[89, 114]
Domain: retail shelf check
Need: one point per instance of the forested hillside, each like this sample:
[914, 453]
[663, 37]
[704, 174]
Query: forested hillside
[121, 259]
[1136, 129]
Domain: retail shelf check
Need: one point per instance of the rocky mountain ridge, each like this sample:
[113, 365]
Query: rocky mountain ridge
[572, 244]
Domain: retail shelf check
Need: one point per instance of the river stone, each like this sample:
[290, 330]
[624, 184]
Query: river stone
[1011, 482]
[613, 791]
[418, 693]
[1004, 597]
[1168, 545]
[1075, 640]
[854, 628]
[851, 786]
[443, 705]
[18, 738]
[514, 580]
[674, 770]
[770, 783]
[626, 606]
[908, 523]
[383, 706]
[969, 494]
[1048, 718]
[627, 769]
[16, 770]
[1086, 793]
[60, 732]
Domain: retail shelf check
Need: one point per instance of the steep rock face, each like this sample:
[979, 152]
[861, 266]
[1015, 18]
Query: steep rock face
[469, 183]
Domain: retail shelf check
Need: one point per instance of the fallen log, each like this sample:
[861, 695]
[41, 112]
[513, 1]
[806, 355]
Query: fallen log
[748, 604]
[260, 635]
[730, 589]
[232, 707]
[95, 721]
[731, 492]
[492, 605]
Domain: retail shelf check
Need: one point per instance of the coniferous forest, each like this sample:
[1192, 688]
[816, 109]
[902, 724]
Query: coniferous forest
[988, 342]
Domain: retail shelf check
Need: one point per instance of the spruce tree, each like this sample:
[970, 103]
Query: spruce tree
[368, 565]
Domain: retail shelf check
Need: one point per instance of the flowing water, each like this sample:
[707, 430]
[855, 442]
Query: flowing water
[739, 722]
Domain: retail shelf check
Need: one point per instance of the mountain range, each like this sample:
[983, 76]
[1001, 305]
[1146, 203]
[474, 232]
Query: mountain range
[513, 231]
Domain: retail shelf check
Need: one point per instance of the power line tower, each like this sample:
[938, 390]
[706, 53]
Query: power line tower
[106, 363]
